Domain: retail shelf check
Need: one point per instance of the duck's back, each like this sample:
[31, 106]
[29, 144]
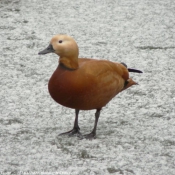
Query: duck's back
[91, 86]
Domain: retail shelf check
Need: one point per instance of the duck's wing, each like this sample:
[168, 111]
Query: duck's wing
[105, 74]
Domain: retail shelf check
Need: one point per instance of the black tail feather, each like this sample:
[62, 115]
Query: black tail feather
[134, 70]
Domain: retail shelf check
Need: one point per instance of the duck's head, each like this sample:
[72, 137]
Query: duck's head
[66, 47]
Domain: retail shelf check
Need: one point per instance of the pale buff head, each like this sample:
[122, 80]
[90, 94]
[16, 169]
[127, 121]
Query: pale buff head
[66, 47]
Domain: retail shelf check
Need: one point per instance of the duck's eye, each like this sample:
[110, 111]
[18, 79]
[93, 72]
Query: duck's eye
[60, 41]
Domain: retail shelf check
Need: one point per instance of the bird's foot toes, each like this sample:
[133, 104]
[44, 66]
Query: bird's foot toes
[73, 132]
[90, 136]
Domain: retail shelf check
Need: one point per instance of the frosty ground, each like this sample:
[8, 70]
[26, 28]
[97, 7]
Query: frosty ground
[136, 130]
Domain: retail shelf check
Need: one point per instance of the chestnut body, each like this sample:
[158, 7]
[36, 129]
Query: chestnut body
[91, 86]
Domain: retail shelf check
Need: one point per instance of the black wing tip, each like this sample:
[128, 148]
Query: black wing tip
[134, 70]
[123, 64]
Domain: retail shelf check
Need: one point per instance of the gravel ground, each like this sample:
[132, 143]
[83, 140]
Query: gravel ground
[136, 130]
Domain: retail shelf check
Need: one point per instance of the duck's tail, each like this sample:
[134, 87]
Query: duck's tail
[130, 82]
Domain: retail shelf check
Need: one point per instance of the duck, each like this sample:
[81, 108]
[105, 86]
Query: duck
[84, 83]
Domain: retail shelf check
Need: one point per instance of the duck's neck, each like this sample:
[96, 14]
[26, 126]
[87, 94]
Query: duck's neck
[71, 63]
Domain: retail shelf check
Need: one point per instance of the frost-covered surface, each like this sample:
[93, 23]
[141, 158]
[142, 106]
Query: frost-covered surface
[136, 130]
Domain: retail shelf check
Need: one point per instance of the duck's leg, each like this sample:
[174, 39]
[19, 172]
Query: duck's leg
[76, 128]
[92, 135]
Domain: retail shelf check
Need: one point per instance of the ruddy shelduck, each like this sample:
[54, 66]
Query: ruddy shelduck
[82, 83]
